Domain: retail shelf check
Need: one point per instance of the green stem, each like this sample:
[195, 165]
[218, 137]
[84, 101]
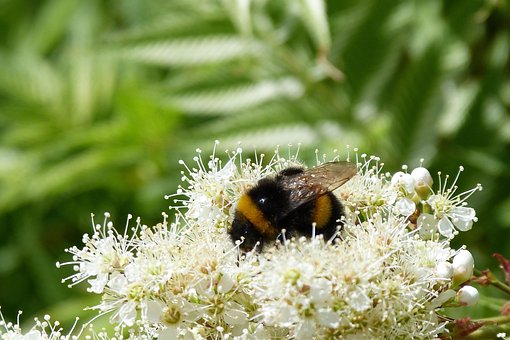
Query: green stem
[426, 208]
[493, 280]
[499, 324]
[495, 320]
[500, 285]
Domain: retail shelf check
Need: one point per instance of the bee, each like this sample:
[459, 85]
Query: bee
[296, 200]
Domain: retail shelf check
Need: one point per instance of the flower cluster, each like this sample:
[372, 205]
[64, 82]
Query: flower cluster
[45, 329]
[388, 274]
[410, 195]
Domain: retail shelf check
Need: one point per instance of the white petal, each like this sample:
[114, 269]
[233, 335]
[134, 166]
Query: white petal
[463, 213]
[260, 332]
[227, 172]
[306, 330]
[320, 292]
[168, 333]
[235, 317]
[463, 258]
[427, 225]
[405, 206]
[463, 225]
[154, 311]
[444, 270]
[33, 335]
[445, 227]
[97, 284]
[118, 282]
[433, 199]
[404, 181]
[127, 313]
[359, 301]
[328, 318]
[225, 283]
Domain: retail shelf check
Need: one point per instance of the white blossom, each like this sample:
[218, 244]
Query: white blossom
[387, 275]
[450, 209]
[45, 329]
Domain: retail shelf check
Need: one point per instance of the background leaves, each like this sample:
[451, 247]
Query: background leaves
[98, 101]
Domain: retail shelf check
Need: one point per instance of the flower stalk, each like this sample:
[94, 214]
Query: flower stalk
[487, 277]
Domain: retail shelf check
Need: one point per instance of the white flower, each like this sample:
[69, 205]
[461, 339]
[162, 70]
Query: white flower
[405, 206]
[41, 330]
[403, 181]
[104, 253]
[171, 316]
[359, 301]
[383, 277]
[369, 191]
[450, 210]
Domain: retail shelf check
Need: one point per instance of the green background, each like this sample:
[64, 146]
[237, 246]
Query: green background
[100, 99]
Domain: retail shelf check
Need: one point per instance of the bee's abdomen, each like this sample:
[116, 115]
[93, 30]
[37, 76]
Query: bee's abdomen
[322, 212]
[255, 216]
[327, 213]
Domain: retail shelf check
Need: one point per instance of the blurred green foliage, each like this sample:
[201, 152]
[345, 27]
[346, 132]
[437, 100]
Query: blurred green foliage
[99, 100]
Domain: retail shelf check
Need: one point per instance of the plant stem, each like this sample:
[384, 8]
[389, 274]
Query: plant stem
[495, 320]
[499, 325]
[493, 280]
[498, 284]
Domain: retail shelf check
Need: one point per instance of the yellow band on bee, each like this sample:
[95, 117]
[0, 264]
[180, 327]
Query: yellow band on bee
[253, 214]
[322, 211]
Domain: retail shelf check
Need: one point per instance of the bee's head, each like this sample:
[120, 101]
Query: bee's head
[243, 230]
[270, 198]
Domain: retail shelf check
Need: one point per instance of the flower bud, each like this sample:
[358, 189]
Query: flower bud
[422, 181]
[404, 181]
[463, 264]
[468, 296]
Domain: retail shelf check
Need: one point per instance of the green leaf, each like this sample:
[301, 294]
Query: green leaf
[192, 51]
[227, 100]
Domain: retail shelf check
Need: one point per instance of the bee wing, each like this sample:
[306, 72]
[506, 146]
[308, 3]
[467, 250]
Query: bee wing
[312, 183]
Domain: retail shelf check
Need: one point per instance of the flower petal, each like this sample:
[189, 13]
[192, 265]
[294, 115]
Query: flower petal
[359, 301]
[445, 227]
[463, 213]
[463, 225]
[405, 206]
[328, 318]
[427, 225]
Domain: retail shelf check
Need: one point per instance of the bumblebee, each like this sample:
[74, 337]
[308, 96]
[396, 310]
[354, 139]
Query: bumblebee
[295, 200]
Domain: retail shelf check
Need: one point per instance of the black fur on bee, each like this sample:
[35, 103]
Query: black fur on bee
[295, 200]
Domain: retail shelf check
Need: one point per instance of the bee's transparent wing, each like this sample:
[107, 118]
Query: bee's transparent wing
[312, 183]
